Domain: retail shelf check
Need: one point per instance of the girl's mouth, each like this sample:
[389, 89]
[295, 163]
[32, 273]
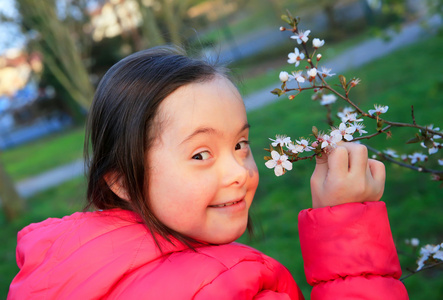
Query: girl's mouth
[225, 204]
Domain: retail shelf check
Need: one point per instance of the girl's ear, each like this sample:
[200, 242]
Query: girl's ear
[116, 184]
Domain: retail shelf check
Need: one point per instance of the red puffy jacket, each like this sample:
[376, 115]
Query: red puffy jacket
[111, 255]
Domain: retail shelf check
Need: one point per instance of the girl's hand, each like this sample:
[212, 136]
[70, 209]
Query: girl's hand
[347, 175]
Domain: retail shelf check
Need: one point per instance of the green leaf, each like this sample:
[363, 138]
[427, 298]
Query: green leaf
[379, 125]
[315, 131]
[413, 140]
[416, 139]
[277, 92]
[342, 81]
[286, 19]
[429, 143]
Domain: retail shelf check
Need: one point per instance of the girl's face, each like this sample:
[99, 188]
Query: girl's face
[202, 176]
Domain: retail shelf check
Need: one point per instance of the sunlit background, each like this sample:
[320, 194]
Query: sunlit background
[54, 52]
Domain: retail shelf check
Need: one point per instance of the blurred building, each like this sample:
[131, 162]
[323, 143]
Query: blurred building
[26, 111]
[115, 18]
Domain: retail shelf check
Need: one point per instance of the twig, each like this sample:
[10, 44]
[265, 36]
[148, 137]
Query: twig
[372, 135]
[422, 269]
[389, 158]
[413, 116]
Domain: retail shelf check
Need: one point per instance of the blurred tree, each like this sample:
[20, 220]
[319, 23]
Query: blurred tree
[170, 16]
[12, 204]
[60, 52]
[149, 29]
[173, 12]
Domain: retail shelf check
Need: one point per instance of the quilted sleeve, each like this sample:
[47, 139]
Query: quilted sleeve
[349, 253]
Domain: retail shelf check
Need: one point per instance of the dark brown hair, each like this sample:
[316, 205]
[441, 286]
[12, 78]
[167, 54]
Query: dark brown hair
[122, 127]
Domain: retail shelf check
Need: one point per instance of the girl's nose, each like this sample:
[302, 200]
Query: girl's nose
[235, 172]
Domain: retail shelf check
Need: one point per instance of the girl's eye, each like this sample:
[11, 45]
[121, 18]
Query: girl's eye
[201, 156]
[241, 145]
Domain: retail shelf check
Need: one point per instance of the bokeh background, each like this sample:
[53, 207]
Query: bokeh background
[54, 52]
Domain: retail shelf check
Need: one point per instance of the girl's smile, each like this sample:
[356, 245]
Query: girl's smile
[202, 176]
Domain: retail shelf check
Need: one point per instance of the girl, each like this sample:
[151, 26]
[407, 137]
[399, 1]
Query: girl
[172, 178]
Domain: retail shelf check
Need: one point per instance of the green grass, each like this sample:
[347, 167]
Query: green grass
[44, 154]
[415, 206]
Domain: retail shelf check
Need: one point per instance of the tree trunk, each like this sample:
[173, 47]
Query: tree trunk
[13, 205]
[173, 21]
[151, 34]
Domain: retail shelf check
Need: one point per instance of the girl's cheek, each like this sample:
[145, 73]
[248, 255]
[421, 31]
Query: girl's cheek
[253, 170]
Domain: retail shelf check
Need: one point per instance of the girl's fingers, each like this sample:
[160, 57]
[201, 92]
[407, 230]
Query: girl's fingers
[378, 171]
[338, 162]
[321, 167]
[358, 158]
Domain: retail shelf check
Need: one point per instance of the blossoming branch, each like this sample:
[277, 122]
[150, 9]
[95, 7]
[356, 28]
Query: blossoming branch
[284, 151]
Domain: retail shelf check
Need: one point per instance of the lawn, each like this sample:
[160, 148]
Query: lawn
[411, 76]
[43, 154]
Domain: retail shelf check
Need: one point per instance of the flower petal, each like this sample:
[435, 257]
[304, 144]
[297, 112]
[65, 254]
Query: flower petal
[278, 170]
[287, 165]
[275, 156]
[271, 164]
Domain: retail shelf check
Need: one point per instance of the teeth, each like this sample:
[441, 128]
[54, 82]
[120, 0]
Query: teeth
[225, 204]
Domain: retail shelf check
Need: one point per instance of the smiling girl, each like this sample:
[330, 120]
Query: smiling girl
[171, 180]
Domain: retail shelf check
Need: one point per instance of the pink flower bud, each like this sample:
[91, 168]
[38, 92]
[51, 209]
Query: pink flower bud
[291, 97]
[318, 57]
[315, 144]
[282, 28]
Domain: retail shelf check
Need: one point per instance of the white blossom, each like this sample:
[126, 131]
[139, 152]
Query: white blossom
[328, 140]
[391, 153]
[426, 252]
[344, 132]
[355, 81]
[295, 57]
[416, 157]
[431, 127]
[379, 109]
[281, 140]
[328, 99]
[312, 72]
[304, 144]
[350, 117]
[298, 76]
[317, 43]
[280, 163]
[433, 149]
[359, 128]
[301, 37]
[415, 242]
[295, 148]
[440, 162]
[325, 72]
[347, 110]
[438, 255]
[284, 76]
